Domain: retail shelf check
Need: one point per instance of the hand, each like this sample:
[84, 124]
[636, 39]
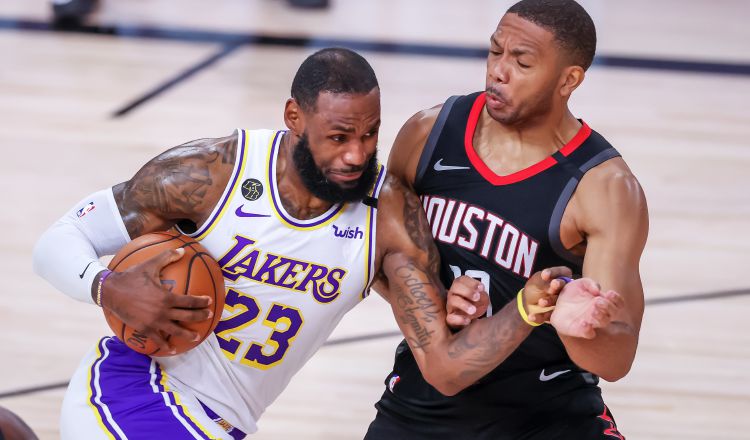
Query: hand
[541, 290]
[582, 307]
[467, 301]
[137, 297]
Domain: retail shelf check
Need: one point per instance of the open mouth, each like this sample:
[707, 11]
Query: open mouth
[495, 100]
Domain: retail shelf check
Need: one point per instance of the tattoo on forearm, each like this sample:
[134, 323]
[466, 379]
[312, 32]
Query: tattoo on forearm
[479, 345]
[416, 308]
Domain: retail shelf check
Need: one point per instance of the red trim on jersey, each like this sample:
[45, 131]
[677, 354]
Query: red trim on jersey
[612, 429]
[476, 110]
[583, 133]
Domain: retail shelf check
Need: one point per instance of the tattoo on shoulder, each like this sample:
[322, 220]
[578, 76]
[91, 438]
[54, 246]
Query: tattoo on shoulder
[181, 183]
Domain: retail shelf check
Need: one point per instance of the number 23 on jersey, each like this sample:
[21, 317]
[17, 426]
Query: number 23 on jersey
[285, 321]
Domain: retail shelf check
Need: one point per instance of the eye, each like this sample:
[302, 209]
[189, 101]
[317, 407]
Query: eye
[524, 66]
[371, 134]
[339, 138]
[495, 52]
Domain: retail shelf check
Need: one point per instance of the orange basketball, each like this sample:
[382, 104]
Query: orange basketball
[196, 273]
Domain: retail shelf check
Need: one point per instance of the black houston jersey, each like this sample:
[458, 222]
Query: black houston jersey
[499, 229]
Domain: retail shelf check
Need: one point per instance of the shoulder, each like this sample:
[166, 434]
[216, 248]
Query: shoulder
[183, 182]
[610, 193]
[217, 151]
[409, 143]
[612, 175]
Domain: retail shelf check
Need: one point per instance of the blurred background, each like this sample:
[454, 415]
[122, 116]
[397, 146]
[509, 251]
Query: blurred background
[89, 92]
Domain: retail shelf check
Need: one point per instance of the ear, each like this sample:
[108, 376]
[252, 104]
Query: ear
[570, 79]
[294, 118]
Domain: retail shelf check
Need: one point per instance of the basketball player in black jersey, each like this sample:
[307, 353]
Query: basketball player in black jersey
[511, 182]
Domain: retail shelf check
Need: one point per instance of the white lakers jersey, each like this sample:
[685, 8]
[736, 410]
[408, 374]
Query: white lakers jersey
[288, 283]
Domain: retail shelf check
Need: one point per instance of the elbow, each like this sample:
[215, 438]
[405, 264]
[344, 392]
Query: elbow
[445, 383]
[615, 372]
[446, 388]
[609, 377]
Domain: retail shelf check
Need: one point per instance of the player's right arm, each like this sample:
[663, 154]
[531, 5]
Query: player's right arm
[181, 185]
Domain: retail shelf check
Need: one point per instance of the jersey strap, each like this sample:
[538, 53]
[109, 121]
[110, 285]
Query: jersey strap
[576, 173]
[432, 139]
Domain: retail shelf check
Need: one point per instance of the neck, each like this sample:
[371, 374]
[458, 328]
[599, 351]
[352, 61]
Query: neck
[297, 200]
[547, 133]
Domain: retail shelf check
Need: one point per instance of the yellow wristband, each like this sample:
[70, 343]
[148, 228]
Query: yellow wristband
[522, 310]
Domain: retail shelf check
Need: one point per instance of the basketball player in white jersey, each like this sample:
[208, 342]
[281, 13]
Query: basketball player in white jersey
[300, 221]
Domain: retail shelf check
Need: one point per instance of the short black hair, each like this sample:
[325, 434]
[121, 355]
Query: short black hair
[571, 25]
[334, 70]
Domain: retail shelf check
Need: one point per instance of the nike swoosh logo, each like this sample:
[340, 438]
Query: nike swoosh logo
[84, 270]
[240, 213]
[546, 377]
[440, 167]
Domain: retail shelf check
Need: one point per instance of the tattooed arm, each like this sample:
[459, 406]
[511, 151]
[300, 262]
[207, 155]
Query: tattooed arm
[181, 185]
[408, 259]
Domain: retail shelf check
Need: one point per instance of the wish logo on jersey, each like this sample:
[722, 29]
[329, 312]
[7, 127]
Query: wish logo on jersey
[355, 233]
[246, 260]
[460, 223]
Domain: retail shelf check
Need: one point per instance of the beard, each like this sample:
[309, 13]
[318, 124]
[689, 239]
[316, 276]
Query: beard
[316, 182]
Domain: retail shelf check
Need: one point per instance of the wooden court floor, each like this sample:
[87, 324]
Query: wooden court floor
[683, 127]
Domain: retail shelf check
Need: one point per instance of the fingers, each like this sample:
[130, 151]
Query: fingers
[547, 301]
[458, 305]
[167, 257]
[466, 287]
[159, 340]
[555, 287]
[556, 272]
[456, 321]
[584, 286]
[590, 286]
[540, 318]
[615, 298]
[467, 299]
[190, 301]
[184, 315]
[178, 331]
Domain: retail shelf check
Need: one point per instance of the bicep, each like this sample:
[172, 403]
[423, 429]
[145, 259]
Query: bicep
[183, 183]
[616, 228]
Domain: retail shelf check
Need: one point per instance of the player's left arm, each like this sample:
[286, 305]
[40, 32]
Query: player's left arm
[611, 214]
[407, 258]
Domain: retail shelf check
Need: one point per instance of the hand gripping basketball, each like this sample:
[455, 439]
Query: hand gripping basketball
[165, 295]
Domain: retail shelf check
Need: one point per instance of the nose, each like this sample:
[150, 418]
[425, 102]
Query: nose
[500, 69]
[355, 154]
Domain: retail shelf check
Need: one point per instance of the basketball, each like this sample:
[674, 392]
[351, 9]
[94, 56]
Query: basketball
[196, 273]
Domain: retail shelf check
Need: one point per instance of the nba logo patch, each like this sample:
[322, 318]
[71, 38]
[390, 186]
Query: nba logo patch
[86, 209]
[393, 381]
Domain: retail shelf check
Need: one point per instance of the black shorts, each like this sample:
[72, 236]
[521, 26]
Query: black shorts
[539, 426]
